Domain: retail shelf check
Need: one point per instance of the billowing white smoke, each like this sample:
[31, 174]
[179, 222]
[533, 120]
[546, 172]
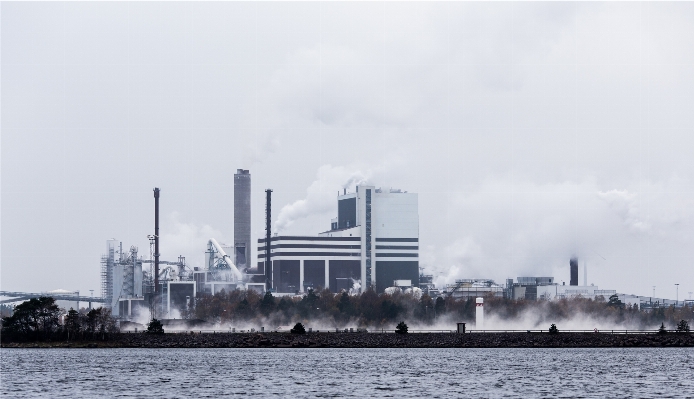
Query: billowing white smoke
[625, 206]
[415, 291]
[356, 287]
[515, 228]
[187, 239]
[320, 195]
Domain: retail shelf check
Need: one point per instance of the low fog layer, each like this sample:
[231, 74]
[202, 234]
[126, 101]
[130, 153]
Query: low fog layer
[530, 131]
[324, 311]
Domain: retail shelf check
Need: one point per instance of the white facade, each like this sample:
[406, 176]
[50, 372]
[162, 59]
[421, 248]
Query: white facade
[556, 291]
[376, 229]
[121, 274]
[388, 223]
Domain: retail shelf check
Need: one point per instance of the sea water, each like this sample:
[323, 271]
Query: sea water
[353, 373]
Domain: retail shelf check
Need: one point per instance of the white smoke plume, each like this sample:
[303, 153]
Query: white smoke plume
[186, 238]
[320, 195]
[625, 205]
[510, 228]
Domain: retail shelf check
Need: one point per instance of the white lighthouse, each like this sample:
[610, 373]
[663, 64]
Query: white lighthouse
[479, 313]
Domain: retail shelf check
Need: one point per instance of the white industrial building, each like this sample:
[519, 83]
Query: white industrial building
[126, 286]
[121, 275]
[373, 241]
[473, 288]
[556, 291]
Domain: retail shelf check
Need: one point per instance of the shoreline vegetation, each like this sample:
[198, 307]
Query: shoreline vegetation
[374, 340]
[39, 322]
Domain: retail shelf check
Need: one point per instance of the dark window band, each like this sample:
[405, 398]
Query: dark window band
[396, 255]
[310, 254]
[311, 246]
[397, 239]
[314, 238]
[396, 247]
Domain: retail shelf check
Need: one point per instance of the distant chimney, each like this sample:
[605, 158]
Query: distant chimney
[573, 266]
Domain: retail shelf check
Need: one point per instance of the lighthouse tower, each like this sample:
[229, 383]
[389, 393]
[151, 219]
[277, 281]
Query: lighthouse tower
[479, 313]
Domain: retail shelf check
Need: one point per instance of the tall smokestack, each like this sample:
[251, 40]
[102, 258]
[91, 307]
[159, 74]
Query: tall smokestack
[573, 265]
[156, 240]
[268, 235]
[242, 218]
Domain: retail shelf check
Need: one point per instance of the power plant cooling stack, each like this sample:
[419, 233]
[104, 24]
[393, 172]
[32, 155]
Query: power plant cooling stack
[242, 219]
[479, 314]
[573, 268]
[268, 233]
[156, 240]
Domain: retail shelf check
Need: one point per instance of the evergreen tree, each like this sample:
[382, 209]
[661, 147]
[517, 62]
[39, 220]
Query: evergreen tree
[389, 309]
[243, 310]
[267, 305]
[426, 307]
[401, 328]
[345, 305]
[72, 323]
[615, 302]
[440, 306]
[298, 329]
[286, 306]
[307, 305]
[155, 327]
[662, 329]
[36, 318]
[683, 326]
[92, 321]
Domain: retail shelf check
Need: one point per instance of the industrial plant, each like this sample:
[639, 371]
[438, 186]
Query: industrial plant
[372, 244]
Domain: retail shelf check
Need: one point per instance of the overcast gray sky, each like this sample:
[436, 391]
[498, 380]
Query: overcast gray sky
[531, 131]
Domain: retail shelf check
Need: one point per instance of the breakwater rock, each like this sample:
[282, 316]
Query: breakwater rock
[379, 340]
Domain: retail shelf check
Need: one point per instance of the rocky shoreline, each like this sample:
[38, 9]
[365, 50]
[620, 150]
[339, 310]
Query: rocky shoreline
[374, 340]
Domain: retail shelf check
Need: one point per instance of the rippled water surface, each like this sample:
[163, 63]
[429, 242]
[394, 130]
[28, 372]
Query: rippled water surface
[362, 373]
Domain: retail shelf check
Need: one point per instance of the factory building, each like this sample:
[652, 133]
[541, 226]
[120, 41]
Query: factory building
[373, 241]
[242, 219]
[121, 275]
[313, 262]
[556, 291]
[473, 288]
[526, 287]
[545, 288]
[426, 284]
[127, 287]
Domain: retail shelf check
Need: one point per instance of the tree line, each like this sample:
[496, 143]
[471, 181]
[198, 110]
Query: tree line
[40, 319]
[371, 310]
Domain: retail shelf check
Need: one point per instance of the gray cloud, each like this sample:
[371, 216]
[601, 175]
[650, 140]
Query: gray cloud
[531, 131]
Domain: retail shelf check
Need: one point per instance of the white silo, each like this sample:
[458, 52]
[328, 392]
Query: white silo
[479, 313]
